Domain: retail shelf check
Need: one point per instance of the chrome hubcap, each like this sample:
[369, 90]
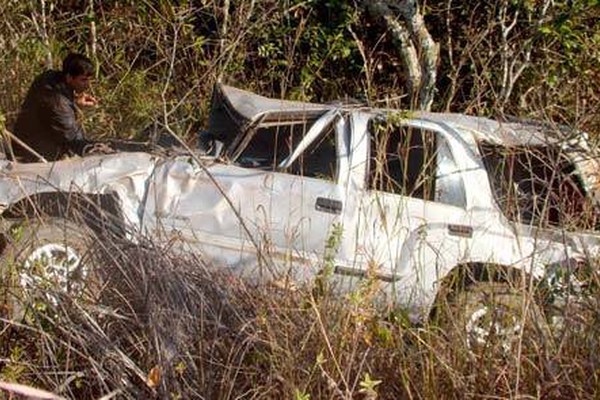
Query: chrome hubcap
[52, 269]
[486, 323]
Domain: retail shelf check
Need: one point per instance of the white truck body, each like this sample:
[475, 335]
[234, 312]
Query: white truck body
[272, 217]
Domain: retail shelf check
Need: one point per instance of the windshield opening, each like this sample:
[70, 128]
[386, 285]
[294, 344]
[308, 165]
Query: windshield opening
[270, 144]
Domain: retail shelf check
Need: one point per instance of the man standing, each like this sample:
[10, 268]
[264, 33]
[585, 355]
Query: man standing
[48, 120]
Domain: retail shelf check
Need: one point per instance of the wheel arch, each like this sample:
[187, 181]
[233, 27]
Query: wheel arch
[101, 212]
[466, 274]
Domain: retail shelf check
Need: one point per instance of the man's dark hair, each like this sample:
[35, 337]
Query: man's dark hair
[77, 64]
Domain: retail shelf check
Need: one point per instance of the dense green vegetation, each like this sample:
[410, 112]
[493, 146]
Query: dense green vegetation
[157, 60]
[168, 326]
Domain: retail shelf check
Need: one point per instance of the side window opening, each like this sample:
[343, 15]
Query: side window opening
[538, 185]
[401, 161]
[413, 162]
[270, 145]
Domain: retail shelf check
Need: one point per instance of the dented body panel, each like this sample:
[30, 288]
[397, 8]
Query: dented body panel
[304, 183]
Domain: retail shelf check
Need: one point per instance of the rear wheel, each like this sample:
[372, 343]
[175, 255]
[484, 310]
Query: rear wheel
[493, 316]
[45, 261]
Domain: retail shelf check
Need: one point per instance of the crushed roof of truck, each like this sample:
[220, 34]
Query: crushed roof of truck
[233, 110]
[510, 132]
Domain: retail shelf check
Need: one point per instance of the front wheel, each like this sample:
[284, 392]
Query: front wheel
[43, 262]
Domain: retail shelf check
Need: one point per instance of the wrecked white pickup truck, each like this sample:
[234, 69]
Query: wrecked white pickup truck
[413, 199]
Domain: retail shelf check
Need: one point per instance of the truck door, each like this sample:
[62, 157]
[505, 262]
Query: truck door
[306, 202]
[412, 219]
[286, 187]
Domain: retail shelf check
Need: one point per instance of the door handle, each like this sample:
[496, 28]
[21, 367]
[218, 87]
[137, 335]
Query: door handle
[328, 205]
[460, 230]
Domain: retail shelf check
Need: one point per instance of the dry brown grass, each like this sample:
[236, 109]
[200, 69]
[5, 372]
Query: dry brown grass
[164, 325]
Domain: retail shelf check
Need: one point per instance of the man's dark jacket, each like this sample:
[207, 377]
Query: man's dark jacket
[48, 121]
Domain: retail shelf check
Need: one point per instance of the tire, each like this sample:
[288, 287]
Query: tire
[493, 316]
[44, 263]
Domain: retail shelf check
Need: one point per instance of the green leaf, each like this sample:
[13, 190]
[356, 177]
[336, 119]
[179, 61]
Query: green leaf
[301, 395]
[321, 358]
[368, 386]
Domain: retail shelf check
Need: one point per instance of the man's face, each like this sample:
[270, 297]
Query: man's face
[79, 83]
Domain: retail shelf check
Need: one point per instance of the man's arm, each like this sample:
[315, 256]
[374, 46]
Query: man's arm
[65, 126]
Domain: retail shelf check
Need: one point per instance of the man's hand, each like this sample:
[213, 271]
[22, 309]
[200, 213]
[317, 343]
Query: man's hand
[98, 148]
[85, 100]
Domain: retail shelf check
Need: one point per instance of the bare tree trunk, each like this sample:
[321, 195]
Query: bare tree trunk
[224, 24]
[93, 36]
[380, 10]
[429, 51]
[223, 35]
[516, 54]
[43, 32]
[417, 49]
